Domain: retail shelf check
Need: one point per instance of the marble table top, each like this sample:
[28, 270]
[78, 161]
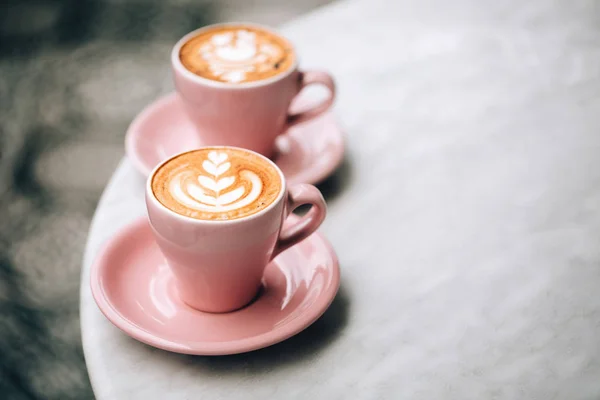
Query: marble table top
[466, 216]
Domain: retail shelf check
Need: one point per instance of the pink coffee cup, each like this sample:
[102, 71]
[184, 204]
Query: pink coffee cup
[250, 114]
[218, 265]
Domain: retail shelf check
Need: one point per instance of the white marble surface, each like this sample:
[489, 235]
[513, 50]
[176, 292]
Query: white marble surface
[466, 218]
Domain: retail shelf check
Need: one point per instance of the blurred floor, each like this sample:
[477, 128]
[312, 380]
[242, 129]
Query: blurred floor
[72, 76]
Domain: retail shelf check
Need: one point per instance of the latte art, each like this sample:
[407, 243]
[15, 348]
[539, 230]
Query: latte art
[219, 183]
[210, 192]
[232, 55]
[236, 54]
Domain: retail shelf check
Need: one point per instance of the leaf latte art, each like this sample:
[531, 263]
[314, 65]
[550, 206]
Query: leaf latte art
[236, 54]
[216, 184]
[209, 192]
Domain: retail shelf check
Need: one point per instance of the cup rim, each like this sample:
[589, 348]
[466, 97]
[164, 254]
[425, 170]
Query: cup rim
[179, 67]
[151, 197]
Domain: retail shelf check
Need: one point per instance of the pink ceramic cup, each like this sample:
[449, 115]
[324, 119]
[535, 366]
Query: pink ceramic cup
[218, 265]
[250, 114]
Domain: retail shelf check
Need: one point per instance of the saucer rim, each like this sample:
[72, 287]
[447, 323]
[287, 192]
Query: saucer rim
[134, 132]
[266, 339]
[134, 126]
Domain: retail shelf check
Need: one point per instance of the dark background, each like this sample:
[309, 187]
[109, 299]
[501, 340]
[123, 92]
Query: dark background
[73, 74]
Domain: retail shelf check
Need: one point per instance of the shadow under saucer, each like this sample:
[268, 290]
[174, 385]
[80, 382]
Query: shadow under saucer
[305, 345]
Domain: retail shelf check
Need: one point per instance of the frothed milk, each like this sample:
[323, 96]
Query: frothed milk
[216, 183]
[237, 54]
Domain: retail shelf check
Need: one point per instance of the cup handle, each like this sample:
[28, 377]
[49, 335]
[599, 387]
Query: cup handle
[310, 78]
[292, 234]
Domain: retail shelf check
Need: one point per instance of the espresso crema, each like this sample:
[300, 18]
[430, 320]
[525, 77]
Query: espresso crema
[237, 54]
[216, 184]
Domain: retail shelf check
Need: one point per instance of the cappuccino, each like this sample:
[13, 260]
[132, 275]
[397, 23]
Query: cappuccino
[217, 183]
[237, 54]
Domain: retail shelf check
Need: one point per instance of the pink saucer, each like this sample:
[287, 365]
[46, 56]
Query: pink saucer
[135, 290]
[307, 153]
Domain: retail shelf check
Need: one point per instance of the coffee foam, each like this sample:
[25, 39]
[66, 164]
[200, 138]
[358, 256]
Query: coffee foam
[237, 54]
[216, 184]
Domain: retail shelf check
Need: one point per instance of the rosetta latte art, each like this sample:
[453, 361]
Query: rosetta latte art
[215, 191]
[217, 183]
